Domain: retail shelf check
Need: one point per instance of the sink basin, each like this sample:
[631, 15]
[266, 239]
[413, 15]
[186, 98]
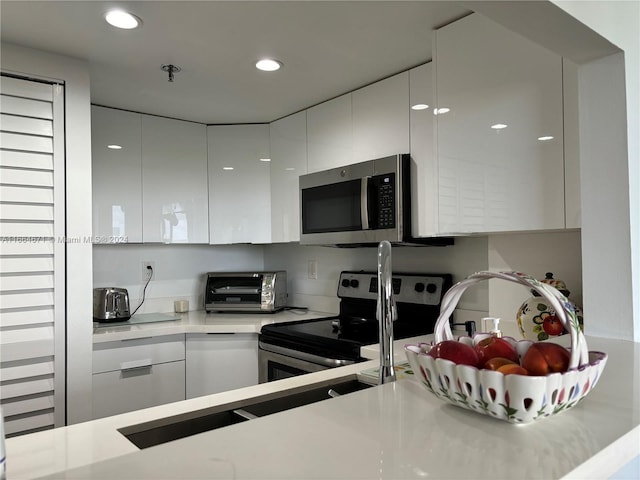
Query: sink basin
[166, 433]
[294, 400]
[152, 433]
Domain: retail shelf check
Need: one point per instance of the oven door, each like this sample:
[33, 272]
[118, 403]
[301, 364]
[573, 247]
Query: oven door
[276, 363]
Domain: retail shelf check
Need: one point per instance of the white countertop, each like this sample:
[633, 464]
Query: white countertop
[199, 321]
[392, 431]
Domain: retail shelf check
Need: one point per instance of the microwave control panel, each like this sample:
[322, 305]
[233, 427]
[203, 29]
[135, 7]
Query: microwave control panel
[385, 191]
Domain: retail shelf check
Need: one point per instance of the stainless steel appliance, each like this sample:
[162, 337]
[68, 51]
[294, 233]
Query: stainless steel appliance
[363, 203]
[295, 348]
[111, 304]
[262, 292]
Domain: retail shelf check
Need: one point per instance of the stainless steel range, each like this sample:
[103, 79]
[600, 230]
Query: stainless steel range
[295, 348]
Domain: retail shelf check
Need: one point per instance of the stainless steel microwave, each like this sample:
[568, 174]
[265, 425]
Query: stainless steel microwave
[361, 204]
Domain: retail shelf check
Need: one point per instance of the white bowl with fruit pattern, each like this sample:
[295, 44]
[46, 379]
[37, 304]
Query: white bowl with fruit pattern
[517, 399]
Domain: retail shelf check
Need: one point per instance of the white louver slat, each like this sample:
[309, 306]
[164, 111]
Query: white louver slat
[32, 261]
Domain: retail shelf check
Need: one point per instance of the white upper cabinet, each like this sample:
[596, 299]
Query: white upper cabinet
[174, 181]
[424, 181]
[500, 144]
[117, 176]
[381, 118]
[330, 134]
[239, 184]
[288, 138]
[571, 145]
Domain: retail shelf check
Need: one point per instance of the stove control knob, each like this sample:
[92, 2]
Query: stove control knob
[419, 287]
[354, 283]
[432, 287]
[345, 282]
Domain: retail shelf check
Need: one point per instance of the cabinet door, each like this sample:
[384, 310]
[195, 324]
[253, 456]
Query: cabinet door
[239, 185]
[329, 134]
[381, 118]
[573, 207]
[127, 390]
[174, 181]
[500, 144]
[116, 175]
[220, 362]
[288, 138]
[424, 181]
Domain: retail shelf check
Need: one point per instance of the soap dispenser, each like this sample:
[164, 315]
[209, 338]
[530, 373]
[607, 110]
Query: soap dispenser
[537, 320]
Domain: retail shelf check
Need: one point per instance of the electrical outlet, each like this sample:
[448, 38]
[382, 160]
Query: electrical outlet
[312, 269]
[146, 271]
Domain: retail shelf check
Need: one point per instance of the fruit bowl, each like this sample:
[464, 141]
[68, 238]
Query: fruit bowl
[517, 399]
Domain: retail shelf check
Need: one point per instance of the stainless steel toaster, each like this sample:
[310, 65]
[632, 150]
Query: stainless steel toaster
[111, 304]
[259, 292]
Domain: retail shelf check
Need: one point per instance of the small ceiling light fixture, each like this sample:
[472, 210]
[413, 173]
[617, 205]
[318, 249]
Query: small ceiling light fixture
[227, 168]
[498, 126]
[115, 147]
[122, 19]
[268, 65]
[545, 138]
[419, 106]
[170, 69]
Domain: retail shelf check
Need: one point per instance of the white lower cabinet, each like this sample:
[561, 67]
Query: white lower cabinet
[139, 373]
[220, 362]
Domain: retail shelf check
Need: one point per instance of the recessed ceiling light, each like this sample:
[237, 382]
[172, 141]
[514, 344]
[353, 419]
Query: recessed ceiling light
[115, 147]
[419, 106]
[265, 159]
[122, 19]
[498, 126]
[545, 138]
[227, 168]
[268, 65]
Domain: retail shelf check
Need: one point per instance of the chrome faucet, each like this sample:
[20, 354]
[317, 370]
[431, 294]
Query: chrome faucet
[385, 312]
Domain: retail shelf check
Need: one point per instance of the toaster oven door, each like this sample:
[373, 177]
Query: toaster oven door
[234, 292]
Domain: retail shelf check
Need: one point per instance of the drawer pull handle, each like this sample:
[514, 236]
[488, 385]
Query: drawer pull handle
[136, 364]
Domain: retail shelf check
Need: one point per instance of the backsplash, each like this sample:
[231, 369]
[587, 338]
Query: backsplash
[179, 270]
[178, 274]
[467, 255]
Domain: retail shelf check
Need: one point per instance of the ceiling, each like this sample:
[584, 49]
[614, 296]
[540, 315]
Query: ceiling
[327, 48]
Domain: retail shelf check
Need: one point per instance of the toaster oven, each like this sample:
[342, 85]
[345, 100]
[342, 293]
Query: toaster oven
[258, 292]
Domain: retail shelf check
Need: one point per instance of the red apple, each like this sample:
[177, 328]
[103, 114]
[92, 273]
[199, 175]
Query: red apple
[496, 362]
[492, 347]
[543, 358]
[512, 369]
[552, 325]
[457, 352]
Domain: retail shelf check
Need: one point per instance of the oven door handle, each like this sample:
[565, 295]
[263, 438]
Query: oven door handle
[327, 362]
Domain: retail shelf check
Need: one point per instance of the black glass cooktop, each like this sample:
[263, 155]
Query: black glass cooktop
[331, 338]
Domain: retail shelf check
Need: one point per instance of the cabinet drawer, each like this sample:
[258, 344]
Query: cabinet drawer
[137, 353]
[125, 391]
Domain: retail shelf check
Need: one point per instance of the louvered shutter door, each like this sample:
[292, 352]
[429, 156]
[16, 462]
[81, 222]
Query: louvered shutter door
[32, 255]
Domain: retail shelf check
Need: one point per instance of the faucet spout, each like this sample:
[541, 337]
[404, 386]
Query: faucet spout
[385, 312]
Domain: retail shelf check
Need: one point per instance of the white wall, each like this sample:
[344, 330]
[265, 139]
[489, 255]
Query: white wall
[75, 74]
[467, 255]
[535, 254]
[179, 272]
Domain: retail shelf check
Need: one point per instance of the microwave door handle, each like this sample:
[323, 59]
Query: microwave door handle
[364, 203]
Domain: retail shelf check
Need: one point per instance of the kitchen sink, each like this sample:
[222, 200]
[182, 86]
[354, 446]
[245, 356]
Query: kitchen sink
[152, 433]
[294, 400]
